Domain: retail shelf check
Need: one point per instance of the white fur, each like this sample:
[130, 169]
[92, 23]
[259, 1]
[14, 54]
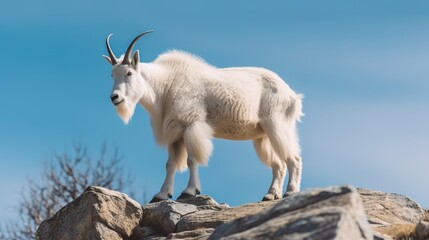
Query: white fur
[190, 102]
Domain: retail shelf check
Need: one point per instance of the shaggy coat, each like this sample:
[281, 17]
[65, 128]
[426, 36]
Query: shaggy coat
[190, 102]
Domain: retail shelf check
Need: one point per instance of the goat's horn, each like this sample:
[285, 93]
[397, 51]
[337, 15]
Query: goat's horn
[113, 59]
[130, 48]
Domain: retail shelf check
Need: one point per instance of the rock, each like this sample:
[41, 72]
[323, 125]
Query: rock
[98, 213]
[380, 236]
[391, 214]
[199, 200]
[422, 228]
[396, 231]
[204, 202]
[202, 233]
[143, 232]
[213, 219]
[154, 238]
[329, 213]
[101, 231]
[164, 216]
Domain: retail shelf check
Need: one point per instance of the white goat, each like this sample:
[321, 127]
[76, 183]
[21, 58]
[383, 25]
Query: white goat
[190, 102]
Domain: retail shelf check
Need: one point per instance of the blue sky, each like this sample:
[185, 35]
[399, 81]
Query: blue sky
[362, 66]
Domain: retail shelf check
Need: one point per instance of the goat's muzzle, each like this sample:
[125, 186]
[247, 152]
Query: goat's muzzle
[115, 99]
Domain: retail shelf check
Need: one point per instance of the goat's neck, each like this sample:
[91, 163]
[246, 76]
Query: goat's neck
[154, 84]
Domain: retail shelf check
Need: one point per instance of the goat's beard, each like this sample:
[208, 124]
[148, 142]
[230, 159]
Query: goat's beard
[125, 111]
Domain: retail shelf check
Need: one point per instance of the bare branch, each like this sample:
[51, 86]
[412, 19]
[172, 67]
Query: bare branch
[63, 179]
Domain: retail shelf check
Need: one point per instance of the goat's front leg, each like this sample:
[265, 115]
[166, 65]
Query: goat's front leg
[197, 138]
[176, 154]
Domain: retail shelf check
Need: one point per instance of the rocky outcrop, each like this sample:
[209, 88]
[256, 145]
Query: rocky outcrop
[98, 213]
[422, 228]
[390, 214]
[327, 213]
[213, 219]
[164, 216]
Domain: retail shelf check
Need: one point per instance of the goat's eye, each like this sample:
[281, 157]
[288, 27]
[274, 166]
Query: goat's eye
[111, 75]
[129, 73]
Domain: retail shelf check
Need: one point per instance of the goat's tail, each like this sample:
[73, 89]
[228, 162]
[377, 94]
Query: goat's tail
[294, 110]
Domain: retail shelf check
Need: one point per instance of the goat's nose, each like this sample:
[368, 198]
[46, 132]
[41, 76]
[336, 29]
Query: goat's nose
[113, 97]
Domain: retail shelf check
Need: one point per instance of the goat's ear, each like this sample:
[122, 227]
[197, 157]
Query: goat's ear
[107, 59]
[136, 59]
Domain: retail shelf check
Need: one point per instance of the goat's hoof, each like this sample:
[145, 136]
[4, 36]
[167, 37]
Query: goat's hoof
[185, 196]
[288, 194]
[266, 199]
[155, 199]
[270, 197]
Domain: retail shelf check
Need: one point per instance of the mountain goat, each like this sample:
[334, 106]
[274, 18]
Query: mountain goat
[190, 102]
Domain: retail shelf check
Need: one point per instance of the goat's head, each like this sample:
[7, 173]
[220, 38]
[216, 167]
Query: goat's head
[127, 79]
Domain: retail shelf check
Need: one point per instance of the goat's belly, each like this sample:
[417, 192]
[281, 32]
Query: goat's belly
[237, 130]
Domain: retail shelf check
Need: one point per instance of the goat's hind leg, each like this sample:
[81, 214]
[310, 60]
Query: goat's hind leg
[269, 157]
[194, 186]
[283, 138]
[295, 167]
[199, 146]
[176, 158]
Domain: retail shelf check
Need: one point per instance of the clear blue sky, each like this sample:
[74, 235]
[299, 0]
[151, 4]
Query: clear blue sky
[363, 67]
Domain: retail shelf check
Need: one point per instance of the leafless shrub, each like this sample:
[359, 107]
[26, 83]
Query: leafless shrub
[62, 180]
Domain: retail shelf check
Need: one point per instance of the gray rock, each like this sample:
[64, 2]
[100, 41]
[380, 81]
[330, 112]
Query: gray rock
[422, 228]
[204, 202]
[154, 238]
[389, 208]
[142, 233]
[380, 236]
[215, 218]
[329, 213]
[200, 234]
[212, 207]
[199, 200]
[335, 212]
[390, 214]
[98, 213]
[164, 216]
